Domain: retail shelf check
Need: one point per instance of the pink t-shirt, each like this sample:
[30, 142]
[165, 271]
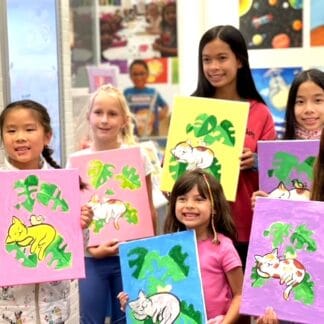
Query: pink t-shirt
[215, 261]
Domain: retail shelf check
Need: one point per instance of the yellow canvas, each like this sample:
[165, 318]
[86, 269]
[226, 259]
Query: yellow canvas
[208, 134]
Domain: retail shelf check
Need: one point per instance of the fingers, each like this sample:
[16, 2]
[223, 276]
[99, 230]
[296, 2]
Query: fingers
[86, 216]
[247, 159]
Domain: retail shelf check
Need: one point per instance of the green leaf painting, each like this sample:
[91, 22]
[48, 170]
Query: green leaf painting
[284, 164]
[99, 173]
[207, 128]
[33, 190]
[129, 178]
[29, 186]
[50, 193]
[278, 232]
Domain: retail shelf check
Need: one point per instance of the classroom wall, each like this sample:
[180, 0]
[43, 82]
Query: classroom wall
[194, 17]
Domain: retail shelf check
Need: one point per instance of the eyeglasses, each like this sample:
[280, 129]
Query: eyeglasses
[138, 74]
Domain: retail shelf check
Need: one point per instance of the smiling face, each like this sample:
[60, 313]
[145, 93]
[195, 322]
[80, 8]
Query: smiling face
[220, 64]
[24, 138]
[106, 121]
[139, 75]
[194, 211]
[309, 106]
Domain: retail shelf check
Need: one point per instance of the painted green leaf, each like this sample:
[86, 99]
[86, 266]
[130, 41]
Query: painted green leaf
[179, 258]
[50, 193]
[189, 128]
[278, 232]
[109, 192]
[58, 256]
[129, 178]
[285, 163]
[229, 130]
[200, 125]
[97, 225]
[29, 261]
[304, 292]
[215, 169]
[99, 173]
[290, 252]
[302, 237]
[29, 187]
[207, 126]
[306, 167]
[138, 262]
[256, 279]
[131, 214]
[189, 311]
[176, 169]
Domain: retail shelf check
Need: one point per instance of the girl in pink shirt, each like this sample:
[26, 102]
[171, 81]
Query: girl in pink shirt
[197, 202]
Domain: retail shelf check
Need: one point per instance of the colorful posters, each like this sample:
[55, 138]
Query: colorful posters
[316, 23]
[285, 261]
[208, 134]
[117, 194]
[286, 167]
[163, 271]
[273, 85]
[272, 24]
[40, 233]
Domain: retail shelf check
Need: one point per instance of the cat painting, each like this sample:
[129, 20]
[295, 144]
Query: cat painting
[289, 271]
[195, 156]
[162, 308]
[38, 237]
[298, 192]
[108, 210]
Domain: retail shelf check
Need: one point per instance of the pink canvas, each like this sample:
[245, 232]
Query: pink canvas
[40, 233]
[117, 194]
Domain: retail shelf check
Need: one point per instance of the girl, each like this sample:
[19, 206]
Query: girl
[145, 103]
[197, 202]
[305, 106]
[26, 133]
[166, 44]
[224, 73]
[305, 111]
[110, 123]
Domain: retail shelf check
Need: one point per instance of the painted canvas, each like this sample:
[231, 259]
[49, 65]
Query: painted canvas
[40, 233]
[285, 261]
[286, 167]
[163, 272]
[208, 134]
[273, 84]
[117, 194]
[272, 24]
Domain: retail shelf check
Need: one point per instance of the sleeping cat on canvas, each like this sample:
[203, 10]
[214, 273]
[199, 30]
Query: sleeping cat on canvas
[162, 308]
[38, 237]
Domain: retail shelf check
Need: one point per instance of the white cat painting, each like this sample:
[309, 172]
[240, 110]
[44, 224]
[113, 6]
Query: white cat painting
[195, 156]
[161, 308]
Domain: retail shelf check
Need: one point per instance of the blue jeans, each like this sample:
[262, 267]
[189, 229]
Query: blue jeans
[99, 290]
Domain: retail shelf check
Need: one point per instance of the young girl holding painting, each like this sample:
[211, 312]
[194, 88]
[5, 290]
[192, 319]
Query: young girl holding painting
[305, 110]
[26, 132]
[224, 73]
[111, 127]
[304, 120]
[197, 202]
